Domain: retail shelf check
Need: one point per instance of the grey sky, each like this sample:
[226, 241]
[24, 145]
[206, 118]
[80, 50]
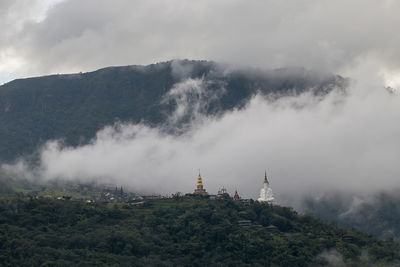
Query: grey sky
[42, 37]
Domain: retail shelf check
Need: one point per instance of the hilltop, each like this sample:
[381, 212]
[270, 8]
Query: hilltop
[177, 231]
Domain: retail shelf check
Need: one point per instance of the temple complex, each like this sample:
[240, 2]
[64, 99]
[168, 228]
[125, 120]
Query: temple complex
[199, 188]
[266, 192]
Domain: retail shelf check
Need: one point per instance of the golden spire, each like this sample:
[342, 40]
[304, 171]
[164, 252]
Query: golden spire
[199, 182]
[265, 178]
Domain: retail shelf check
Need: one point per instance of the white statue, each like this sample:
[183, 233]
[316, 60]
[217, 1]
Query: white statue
[266, 194]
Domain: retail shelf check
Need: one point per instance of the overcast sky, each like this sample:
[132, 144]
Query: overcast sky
[57, 36]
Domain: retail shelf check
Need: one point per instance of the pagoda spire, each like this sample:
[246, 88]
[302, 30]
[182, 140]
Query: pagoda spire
[199, 188]
[265, 178]
[199, 182]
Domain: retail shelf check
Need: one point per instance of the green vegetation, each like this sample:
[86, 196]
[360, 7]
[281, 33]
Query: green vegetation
[74, 107]
[74, 190]
[11, 186]
[177, 231]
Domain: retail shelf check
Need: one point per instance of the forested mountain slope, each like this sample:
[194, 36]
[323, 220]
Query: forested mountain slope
[74, 107]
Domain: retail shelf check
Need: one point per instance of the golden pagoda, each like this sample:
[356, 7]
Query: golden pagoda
[199, 189]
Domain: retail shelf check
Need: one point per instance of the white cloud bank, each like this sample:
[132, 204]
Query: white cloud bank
[347, 141]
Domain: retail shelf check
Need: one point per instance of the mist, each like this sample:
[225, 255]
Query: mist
[309, 144]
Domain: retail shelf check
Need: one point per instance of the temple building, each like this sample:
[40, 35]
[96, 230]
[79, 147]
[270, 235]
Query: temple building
[199, 188]
[266, 192]
[236, 196]
[222, 191]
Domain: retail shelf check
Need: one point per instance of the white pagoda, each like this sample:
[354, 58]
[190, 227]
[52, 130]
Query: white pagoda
[266, 192]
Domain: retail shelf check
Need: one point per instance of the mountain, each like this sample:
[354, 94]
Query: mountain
[377, 214]
[73, 107]
[179, 231]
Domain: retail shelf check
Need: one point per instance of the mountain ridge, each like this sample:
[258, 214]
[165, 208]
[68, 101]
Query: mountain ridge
[73, 107]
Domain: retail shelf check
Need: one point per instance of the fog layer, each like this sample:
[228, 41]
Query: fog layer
[346, 140]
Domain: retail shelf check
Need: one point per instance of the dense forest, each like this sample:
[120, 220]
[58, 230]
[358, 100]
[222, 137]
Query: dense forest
[177, 231]
[74, 107]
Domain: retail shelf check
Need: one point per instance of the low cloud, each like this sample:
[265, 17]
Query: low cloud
[330, 258]
[345, 141]
[191, 98]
